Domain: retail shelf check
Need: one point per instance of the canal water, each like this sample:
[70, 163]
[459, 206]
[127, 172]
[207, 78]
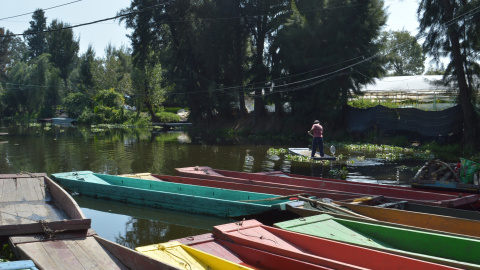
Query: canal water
[53, 149]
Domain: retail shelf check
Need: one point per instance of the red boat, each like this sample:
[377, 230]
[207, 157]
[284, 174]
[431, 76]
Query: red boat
[257, 186]
[314, 250]
[246, 256]
[335, 186]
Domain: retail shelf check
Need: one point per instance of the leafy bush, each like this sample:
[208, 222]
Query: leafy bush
[167, 117]
[75, 104]
[110, 98]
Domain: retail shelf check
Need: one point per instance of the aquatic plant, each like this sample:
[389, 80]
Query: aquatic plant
[276, 151]
[339, 173]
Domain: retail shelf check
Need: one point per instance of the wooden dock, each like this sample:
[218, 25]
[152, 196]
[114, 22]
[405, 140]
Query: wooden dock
[33, 203]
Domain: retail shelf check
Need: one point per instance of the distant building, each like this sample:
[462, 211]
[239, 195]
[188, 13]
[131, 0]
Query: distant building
[421, 91]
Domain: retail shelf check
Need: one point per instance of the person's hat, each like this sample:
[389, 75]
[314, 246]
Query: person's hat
[316, 122]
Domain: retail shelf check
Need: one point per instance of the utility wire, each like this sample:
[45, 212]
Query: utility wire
[1, 19]
[89, 23]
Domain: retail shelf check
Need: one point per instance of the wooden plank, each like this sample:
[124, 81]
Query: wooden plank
[39, 186]
[100, 255]
[27, 190]
[9, 190]
[61, 255]
[81, 255]
[37, 253]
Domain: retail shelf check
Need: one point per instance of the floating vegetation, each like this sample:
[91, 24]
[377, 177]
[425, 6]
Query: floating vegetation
[276, 151]
[47, 128]
[376, 147]
[97, 130]
[298, 158]
[361, 158]
[339, 173]
[34, 125]
[390, 156]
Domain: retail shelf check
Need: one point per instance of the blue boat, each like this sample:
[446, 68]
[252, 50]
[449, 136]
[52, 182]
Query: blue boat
[172, 196]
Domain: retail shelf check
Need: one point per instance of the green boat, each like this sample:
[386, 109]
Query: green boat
[454, 251]
[172, 196]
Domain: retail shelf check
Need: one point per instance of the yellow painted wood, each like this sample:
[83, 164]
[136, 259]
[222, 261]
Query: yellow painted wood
[146, 176]
[185, 257]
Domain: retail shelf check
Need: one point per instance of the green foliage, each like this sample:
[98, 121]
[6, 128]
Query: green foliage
[363, 103]
[36, 39]
[7, 253]
[166, 117]
[403, 54]
[76, 103]
[63, 48]
[339, 173]
[277, 151]
[110, 98]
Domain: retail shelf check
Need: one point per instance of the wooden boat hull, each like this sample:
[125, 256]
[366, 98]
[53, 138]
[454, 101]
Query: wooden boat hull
[80, 250]
[243, 255]
[397, 218]
[173, 196]
[177, 254]
[438, 248]
[305, 152]
[254, 186]
[314, 250]
[445, 185]
[422, 197]
[33, 203]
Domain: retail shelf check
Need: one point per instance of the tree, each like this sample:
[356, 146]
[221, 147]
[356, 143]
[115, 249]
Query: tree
[35, 36]
[12, 49]
[451, 32]
[87, 62]
[324, 54]
[63, 48]
[403, 54]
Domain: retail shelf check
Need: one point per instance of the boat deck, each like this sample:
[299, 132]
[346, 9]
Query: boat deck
[80, 250]
[24, 200]
[32, 203]
[307, 153]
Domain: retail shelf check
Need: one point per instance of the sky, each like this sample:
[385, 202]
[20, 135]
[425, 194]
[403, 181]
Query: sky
[402, 16]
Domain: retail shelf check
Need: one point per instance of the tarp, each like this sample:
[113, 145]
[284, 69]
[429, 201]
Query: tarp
[426, 123]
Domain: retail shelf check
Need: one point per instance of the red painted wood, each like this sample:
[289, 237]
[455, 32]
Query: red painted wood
[446, 200]
[264, 260]
[254, 186]
[314, 250]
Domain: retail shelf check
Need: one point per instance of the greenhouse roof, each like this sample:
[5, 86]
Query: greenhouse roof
[420, 83]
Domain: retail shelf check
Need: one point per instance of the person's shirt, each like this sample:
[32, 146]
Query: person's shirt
[317, 130]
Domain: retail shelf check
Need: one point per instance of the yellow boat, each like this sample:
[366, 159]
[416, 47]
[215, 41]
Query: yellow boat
[185, 257]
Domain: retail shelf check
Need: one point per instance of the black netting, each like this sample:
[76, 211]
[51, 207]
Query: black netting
[426, 123]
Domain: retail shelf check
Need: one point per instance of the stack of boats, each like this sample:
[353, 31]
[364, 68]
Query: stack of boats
[313, 223]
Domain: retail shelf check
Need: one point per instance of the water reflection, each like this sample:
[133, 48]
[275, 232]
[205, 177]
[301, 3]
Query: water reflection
[134, 226]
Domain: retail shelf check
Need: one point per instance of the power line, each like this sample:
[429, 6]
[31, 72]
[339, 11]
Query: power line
[42, 9]
[89, 23]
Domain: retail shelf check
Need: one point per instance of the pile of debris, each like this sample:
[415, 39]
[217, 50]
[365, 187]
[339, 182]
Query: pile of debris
[438, 171]
[465, 171]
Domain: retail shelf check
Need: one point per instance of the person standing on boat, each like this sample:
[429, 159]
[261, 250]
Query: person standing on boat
[317, 133]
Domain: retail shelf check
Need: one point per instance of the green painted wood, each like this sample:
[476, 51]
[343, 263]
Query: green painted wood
[167, 195]
[445, 249]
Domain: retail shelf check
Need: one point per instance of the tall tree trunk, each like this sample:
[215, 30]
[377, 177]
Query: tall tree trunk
[470, 118]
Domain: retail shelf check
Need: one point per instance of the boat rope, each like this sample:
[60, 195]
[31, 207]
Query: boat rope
[261, 237]
[327, 205]
[49, 233]
[183, 262]
[278, 198]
